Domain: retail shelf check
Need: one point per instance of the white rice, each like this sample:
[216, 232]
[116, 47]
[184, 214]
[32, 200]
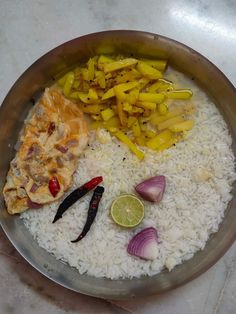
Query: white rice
[199, 171]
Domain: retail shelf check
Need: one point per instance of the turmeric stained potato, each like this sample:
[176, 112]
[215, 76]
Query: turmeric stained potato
[132, 100]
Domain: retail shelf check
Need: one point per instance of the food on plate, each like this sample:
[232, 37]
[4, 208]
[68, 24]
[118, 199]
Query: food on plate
[142, 119]
[152, 189]
[132, 100]
[127, 211]
[54, 186]
[92, 212]
[53, 137]
[144, 244]
[75, 196]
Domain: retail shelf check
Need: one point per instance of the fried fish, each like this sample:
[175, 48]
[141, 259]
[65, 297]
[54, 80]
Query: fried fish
[53, 137]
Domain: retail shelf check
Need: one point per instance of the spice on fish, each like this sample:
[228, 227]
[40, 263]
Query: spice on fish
[54, 186]
[75, 196]
[92, 212]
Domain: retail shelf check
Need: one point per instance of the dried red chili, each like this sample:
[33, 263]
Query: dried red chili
[75, 196]
[54, 186]
[92, 212]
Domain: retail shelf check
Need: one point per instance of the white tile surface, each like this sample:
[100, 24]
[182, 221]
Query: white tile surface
[29, 29]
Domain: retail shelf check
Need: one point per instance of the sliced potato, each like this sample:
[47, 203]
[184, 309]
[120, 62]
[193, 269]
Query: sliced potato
[159, 139]
[146, 105]
[127, 95]
[182, 126]
[157, 64]
[125, 139]
[107, 114]
[179, 94]
[117, 65]
[151, 97]
[148, 71]
[170, 122]
[121, 88]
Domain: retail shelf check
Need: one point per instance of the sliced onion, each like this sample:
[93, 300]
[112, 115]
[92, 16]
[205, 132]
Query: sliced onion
[32, 204]
[62, 149]
[39, 179]
[59, 162]
[33, 151]
[144, 244]
[152, 190]
[34, 188]
[70, 156]
[51, 128]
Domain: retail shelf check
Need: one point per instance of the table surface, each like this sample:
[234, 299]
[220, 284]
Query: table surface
[29, 29]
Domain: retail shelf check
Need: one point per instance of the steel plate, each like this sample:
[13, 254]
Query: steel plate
[41, 74]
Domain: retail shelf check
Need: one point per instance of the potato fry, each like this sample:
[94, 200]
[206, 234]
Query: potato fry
[107, 114]
[159, 139]
[125, 139]
[160, 85]
[117, 65]
[131, 120]
[167, 144]
[157, 118]
[97, 125]
[96, 117]
[92, 109]
[85, 74]
[182, 126]
[157, 64]
[113, 123]
[102, 60]
[132, 96]
[136, 129]
[127, 95]
[140, 140]
[151, 97]
[76, 84]
[137, 110]
[127, 107]
[170, 122]
[68, 83]
[127, 76]
[122, 115]
[150, 133]
[91, 68]
[179, 94]
[146, 105]
[162, 109]
[119, 93]
[143, 82]
[120, 88]
[92, 94]
[148, 71]
[100, 76]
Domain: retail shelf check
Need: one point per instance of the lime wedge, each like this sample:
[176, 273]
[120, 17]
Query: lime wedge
[127, 210]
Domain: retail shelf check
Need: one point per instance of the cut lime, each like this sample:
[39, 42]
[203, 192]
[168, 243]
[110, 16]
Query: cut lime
[127, 210]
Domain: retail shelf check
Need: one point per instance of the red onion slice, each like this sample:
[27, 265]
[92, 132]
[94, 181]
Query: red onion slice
[152, 189]
[61, 148]
[34, 188]
[59, 162]
[51, 128]
[144, 244]
[32, 204]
